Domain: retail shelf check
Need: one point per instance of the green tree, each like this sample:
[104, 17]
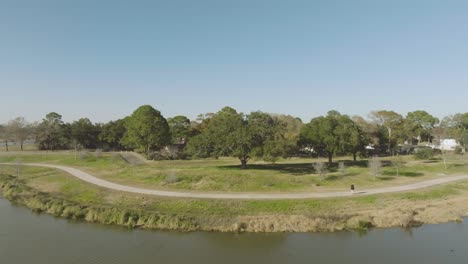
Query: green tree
[293, 126]
[112, 134]
[371, 131]
[460, 128]
[392, 122]
[226, 134]
[20, 129]
[180, 128]
[422, 123]
[146, 129]
[353, 139]
[50, 133]
[200, 146]
[199, 125]
[275, 149]
[331, 134]
[290, 130]
[229, 133]
[84, 133]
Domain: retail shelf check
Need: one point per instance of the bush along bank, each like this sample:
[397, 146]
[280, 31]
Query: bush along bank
[18, 192]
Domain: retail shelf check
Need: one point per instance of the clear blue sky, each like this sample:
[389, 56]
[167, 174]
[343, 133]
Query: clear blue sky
[103, 59]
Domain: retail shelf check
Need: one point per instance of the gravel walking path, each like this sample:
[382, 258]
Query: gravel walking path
[245, 196]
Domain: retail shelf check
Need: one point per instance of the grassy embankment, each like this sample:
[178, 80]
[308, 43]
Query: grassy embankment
[59, 194]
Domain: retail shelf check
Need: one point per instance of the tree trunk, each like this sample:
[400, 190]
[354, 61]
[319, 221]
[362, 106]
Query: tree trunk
[243, 163]
[330, 158]
[354, 156]
[21, 145]
[389, 138]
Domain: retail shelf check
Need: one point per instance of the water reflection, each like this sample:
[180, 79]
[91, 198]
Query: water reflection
[29, 238]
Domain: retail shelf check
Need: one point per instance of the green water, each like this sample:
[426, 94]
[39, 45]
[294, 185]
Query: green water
[26, 237]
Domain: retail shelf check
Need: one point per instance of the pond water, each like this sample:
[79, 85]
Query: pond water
[26, 237]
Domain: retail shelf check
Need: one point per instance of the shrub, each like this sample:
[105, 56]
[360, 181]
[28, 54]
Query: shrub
[424, 153]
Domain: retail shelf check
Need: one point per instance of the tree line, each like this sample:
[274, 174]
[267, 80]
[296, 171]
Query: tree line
[244, 136]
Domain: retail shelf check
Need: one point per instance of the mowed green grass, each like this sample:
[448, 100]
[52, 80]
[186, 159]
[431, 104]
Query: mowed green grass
[224, 175]
[60, 184]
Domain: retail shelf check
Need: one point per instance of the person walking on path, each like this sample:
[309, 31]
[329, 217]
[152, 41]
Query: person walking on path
[352, 188]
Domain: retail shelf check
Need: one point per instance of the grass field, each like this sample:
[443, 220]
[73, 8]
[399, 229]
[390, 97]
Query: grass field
[61, 184]
[291, 175]
[436, 204]
[441, 203]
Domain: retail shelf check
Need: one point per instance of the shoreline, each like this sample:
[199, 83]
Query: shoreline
[18, 192]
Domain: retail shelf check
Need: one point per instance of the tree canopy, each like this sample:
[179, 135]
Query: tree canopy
[112, 133]
[392, 122]
[180, 128]
[230, 133]
[146, 129]
[332, 134]
[421, 124]
[244, 136]
[84, 133]
[50, 132]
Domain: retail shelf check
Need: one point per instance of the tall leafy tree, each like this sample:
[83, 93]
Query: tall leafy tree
[321, 135]
[287, 144]
[224, 135]
[293, 126]
[112, 133]
[50, 133]
[421, 124]
[146, 129]
[332, 134]
[180, 128]
[84, 133]
[199, 124]
[391, 121]
[372, 132]
[230, 133]
[279, 147]
[201, 146]
[352, 137]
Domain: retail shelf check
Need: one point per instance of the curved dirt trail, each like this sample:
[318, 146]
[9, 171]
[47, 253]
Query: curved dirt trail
[244, 196]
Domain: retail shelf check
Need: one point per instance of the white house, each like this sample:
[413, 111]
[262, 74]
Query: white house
[448, 144]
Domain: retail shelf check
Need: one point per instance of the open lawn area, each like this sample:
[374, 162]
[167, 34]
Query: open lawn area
[224, 175]
[62, 185]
